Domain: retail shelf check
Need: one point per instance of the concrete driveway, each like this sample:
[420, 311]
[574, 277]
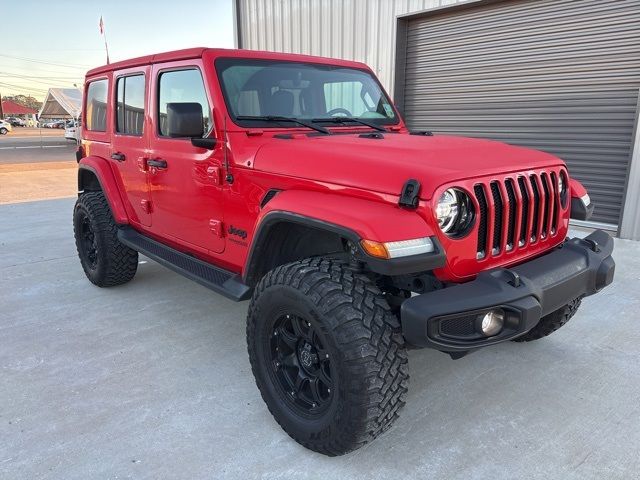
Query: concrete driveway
[151, 380]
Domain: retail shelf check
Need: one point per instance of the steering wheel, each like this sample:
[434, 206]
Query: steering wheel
[339, 111]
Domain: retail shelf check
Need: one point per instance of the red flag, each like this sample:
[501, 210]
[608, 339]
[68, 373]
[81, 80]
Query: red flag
[101, 25]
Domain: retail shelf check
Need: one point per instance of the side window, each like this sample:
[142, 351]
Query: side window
[130, 105]
[96, 107]
[182, 86]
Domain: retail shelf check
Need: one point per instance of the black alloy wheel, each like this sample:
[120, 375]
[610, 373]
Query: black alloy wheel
[301, 365]
[87, 241]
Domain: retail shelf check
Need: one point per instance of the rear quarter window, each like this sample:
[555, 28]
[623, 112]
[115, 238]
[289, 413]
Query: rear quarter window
[96, 106]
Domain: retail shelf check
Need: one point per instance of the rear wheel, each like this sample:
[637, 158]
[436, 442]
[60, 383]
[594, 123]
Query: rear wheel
[552, 322]
[327, 354]
[3, 131]
[105, 260]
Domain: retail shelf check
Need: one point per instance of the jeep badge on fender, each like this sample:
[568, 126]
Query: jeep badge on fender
[359, 238]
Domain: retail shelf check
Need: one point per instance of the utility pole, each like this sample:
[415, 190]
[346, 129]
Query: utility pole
[1, 111]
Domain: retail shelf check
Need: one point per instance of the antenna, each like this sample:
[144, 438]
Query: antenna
[229, 176]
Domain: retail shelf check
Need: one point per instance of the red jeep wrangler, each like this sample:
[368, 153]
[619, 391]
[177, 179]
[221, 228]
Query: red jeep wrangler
[292, 181]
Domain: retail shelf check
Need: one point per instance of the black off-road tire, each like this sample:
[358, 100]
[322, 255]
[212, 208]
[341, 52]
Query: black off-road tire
[552, 322]
[369, 371]
[105, 260]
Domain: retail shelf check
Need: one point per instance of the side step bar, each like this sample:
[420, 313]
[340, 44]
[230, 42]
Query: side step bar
[217, 279]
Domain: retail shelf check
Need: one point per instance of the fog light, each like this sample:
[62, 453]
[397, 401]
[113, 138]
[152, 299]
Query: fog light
[491, 323]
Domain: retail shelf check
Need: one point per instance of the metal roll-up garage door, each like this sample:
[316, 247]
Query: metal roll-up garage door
[557, 75]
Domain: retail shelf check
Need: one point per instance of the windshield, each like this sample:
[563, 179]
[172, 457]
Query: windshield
[307, 91]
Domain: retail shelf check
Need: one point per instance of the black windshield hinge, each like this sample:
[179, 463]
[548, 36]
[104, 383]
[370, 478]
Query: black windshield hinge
[409, 194]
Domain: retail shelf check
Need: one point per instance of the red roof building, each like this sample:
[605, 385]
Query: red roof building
[12, 108]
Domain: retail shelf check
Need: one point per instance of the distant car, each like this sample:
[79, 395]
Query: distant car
[16, 122]
[5, 127]
[72, 131]
[58, 124]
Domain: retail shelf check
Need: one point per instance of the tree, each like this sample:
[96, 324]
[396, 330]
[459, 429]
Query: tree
[25, 100]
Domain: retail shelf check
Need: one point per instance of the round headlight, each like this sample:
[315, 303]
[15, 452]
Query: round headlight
[454, 212]
[562, 188]
[447, 210]
[560, 184]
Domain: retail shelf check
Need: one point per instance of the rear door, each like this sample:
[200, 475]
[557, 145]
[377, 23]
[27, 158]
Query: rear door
[130, 140]
[186, 191]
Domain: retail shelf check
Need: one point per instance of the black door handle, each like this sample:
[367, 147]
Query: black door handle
[118, 156]
[157, 163]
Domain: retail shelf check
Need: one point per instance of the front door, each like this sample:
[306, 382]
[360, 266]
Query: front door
[185, 181]
[130, 141]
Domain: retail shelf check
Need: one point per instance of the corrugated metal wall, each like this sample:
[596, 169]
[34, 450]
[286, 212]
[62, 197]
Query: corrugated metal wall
[557, 75]
[361, 30]
[578, 72]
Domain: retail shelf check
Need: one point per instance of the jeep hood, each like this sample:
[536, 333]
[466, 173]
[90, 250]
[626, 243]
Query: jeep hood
[384, 164]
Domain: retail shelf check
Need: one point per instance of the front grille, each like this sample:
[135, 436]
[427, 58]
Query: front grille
[516, 212]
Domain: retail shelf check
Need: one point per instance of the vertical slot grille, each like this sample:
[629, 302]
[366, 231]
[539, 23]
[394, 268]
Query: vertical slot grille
[497, 206]
[532, 212]
[554, 211]
[545, 204]
[512, 213]
[536, 208]
[482, 220]
[524, 193]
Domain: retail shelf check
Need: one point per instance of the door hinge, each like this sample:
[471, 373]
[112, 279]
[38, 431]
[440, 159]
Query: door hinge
[142, 164]
[146, 206]
[216, 227]
[214, 174]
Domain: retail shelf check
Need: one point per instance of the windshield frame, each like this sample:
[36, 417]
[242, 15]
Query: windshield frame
[222, 63]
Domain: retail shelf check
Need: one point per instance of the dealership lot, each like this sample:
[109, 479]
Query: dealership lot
[35, 165]
[152, 380]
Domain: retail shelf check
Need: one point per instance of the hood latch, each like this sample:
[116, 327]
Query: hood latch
[409, 194]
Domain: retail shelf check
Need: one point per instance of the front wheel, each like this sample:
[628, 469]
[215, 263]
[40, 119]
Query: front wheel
[327, 354]
[3, 131]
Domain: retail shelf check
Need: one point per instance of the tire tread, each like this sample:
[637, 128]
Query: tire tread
[369, 337]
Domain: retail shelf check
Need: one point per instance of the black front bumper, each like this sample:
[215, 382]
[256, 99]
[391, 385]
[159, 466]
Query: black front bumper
[447, 319]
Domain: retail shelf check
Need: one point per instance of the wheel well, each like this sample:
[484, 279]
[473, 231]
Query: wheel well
[286, 242]
[88, 181]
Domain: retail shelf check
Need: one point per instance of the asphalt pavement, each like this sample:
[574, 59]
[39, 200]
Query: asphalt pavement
[151, 380]
[48, 148]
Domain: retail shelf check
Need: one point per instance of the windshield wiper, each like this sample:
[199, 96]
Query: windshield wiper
[275, 118]
[350, 119]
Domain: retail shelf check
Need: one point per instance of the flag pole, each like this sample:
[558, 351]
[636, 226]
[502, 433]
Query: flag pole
[103, 31]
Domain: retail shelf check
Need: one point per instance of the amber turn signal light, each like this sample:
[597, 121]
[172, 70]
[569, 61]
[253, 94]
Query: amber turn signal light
[375, 249]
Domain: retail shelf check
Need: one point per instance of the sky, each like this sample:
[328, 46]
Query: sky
[52, 44]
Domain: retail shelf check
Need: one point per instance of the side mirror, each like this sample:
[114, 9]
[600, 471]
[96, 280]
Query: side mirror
[185, 120]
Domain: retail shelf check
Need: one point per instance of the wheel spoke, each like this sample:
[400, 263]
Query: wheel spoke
[290, 360]
[296, 325]
[299, 382]
[323, 377]
[289, 340]
[315, 390]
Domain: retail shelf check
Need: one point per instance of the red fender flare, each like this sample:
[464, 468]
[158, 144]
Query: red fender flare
[101, 169]
[370, 220]
[577, 189]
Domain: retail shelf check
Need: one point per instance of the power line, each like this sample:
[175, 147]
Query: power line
[45, 77]
[26, 89]
[51, 83]
[65, 65]
[38, 69]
